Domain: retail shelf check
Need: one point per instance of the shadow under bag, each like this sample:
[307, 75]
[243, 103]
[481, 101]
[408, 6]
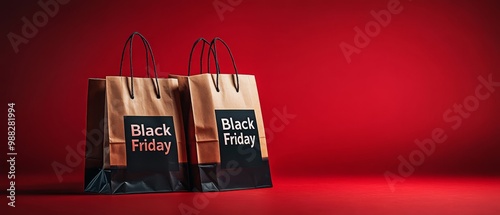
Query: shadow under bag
[135, 133]
[224, 129]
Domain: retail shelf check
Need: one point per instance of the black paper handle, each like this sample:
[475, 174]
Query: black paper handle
[205, 42]
[214, 50]
[149, 50]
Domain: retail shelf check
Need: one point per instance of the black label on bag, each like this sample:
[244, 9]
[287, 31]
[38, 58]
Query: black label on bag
[238, 138]
[151, 143]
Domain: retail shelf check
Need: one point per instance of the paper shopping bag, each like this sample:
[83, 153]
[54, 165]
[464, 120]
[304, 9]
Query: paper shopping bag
[225, 130]
[140, 121]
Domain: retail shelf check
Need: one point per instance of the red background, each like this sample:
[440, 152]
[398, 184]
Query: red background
[352, 119]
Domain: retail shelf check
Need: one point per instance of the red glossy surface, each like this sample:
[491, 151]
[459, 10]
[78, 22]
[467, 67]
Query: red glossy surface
[321, 195]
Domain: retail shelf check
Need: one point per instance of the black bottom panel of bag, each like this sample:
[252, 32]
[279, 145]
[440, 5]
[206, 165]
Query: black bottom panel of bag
[119, 181]
[211, 177]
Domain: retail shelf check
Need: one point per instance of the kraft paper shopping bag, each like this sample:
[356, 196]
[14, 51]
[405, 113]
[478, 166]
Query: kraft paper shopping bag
[143, 142]
[225, 130]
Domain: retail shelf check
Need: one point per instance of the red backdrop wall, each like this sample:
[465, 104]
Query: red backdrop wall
[351, 115]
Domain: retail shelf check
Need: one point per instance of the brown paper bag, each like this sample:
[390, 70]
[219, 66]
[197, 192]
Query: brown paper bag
[143, 147]
[226, 138]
